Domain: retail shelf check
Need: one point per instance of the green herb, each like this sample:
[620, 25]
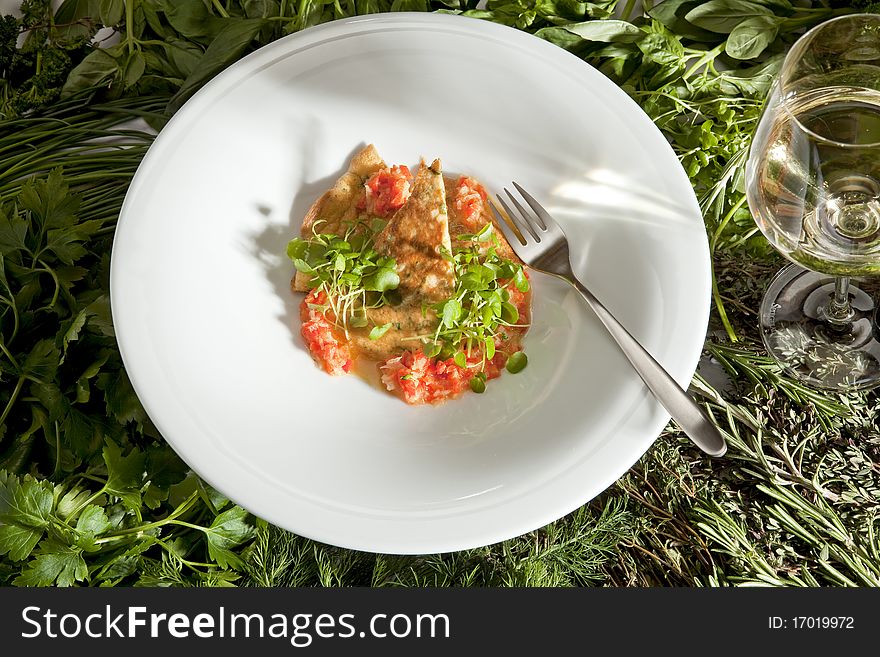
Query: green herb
[478, 382]
[378, 331]
[517, 362]
[34, 73]
[352, 274]
[91, 494]
[474, 320]
[67, 410]
[57, 526]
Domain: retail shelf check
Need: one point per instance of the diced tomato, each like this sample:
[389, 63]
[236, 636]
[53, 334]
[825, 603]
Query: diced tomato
[386, 191]
[421, 380]
[320, 336]
[469, 198]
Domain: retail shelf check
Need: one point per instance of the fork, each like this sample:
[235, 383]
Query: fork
[544, 248]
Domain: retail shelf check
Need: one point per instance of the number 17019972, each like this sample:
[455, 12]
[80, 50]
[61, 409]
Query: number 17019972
[811, 623]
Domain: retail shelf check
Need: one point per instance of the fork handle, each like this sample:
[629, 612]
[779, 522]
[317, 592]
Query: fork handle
[676, 401]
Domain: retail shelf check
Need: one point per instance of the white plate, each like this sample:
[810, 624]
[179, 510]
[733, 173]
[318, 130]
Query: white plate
[209, 331]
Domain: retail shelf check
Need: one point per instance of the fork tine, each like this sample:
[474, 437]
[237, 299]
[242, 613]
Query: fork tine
[524, 228]
[547, 222]
[509, 233]
[524, 215]
[511, 222]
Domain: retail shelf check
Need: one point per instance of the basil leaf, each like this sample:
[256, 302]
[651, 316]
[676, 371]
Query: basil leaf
[111, 12]
[229, 44]
[95, 70]
[607, 31]
[191, 18]
[723, 16]
[751, 37]
[135, 66]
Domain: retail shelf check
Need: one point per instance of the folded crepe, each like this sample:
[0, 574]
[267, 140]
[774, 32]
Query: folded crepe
[417, 237]
[338, 205]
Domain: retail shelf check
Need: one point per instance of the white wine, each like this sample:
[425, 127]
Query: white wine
[817, 180]
[813, 186]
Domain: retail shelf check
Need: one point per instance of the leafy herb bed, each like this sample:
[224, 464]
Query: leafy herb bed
[90, 493]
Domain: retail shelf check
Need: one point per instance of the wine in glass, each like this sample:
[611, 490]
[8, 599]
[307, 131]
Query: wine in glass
[813, 186]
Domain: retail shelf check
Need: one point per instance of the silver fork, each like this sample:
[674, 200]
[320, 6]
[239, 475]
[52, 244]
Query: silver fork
[544, 248]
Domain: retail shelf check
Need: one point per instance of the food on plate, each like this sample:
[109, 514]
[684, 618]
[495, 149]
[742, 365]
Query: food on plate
[417, 236]
[408, 275]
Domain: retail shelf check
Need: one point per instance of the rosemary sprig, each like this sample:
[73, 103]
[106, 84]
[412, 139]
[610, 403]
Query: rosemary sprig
[763, 372]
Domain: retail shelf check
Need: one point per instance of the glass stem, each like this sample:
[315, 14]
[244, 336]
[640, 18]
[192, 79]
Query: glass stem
[839, 312]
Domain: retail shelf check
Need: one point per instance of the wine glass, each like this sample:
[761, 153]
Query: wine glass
[813, 186]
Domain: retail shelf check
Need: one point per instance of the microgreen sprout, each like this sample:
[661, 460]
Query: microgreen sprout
[476, 319]
[353, 275]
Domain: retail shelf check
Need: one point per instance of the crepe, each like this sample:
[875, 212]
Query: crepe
[419, 222]
[417, 237]
[338, 205]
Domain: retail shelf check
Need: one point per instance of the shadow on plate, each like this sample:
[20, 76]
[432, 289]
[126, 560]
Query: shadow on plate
[269, 246]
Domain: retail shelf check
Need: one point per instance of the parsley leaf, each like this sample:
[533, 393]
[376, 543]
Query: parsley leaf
[228, 530]
[25, 509]
[121, 400]
[71, 501]
[42, 362]
[125, 474]
[57, 563]
[13, 230]
[91, 522]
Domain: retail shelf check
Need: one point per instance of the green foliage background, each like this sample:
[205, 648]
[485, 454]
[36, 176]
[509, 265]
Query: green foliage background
[91, 495]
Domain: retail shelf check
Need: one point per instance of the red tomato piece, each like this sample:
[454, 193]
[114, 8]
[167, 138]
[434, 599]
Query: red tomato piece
[386, 191]
[420, 380]
[469, 198]
[321, 337]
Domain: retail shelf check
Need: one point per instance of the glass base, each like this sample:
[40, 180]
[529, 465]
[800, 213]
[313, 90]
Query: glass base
[808, 347]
